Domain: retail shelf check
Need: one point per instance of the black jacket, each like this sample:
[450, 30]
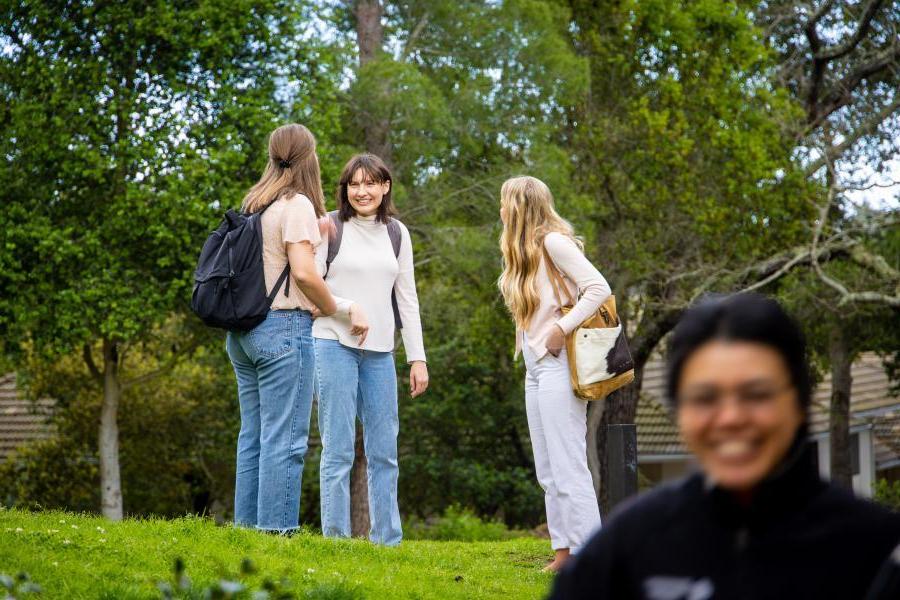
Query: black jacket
[800, 538]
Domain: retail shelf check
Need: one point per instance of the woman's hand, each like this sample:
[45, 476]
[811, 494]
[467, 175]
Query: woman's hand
[359, 325]
[418, 378]
[556, 341]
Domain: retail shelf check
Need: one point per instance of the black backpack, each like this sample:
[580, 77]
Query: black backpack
[230, 282]
[334, 244]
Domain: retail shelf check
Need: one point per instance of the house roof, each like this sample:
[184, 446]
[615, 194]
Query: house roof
[871, 404]
[21, 421]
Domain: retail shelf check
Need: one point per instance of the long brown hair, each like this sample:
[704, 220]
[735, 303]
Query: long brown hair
[375, 168]
[529, 216]
[292, 168]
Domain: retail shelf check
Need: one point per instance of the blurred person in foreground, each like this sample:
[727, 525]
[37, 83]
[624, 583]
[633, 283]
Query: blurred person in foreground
[756, 521]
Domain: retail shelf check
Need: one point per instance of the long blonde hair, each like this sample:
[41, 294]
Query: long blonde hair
[529, 215]
[292, 168]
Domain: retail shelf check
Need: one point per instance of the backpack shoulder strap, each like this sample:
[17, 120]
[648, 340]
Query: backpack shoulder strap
[334, 242]
[393, 228]
[283, 279]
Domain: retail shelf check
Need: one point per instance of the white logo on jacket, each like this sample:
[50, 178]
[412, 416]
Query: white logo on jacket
[666, 587]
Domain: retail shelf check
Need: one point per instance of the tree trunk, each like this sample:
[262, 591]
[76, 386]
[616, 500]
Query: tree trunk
[359, 489]
[108, 439]
[839, 420]
[618, 407]
[369, 31]
[370, 38]
[621, 405]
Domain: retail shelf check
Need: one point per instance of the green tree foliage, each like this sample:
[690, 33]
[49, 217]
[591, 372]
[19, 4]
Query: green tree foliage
[178, 434]
[668, 131]
[126, 127]
[474, 93]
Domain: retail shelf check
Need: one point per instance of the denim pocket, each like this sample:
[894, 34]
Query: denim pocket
[272, 338]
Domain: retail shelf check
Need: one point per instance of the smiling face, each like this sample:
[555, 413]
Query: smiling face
[738, 411]
[365, 193]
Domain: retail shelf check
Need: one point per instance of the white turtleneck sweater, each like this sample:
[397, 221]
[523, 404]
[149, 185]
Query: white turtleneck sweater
[365, 271]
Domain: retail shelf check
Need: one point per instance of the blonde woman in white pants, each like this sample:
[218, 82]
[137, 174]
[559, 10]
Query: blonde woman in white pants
[557, 419]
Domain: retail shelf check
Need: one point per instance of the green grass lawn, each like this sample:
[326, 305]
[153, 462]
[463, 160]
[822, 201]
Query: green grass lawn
[78, 556]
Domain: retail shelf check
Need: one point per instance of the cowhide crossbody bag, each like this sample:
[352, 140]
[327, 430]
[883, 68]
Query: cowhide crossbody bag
[599, 359]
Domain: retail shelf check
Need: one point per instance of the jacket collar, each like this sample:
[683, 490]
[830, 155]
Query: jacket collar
[784, 491]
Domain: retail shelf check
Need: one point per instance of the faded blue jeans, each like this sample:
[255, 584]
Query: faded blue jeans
[274, 365]
[358, 382]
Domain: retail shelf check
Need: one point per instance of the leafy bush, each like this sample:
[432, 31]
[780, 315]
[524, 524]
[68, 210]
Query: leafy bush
[459, 524]
[888, 493]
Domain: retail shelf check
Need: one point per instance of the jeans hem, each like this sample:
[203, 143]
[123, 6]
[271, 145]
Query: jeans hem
[278, 530]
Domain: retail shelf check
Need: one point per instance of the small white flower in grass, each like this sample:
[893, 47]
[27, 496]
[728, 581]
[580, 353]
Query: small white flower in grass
[101, 530]
[310, 571]
[74, 526]
[66, 542]
[19, 530]
[102, 540]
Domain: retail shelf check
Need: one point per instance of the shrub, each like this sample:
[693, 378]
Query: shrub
[459, 524]
[887, 493]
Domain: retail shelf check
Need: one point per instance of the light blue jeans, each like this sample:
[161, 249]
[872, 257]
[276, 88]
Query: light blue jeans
[275, 376]
[358, 382]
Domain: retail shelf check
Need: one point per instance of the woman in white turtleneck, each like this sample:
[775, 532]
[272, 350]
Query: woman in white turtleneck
[354, 347]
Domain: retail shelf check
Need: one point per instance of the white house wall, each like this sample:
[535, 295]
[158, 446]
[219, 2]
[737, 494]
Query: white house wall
[863, 481]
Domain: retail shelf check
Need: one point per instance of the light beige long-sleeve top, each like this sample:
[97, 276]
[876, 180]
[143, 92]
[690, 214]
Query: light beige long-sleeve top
[365, 271]
[581, 278]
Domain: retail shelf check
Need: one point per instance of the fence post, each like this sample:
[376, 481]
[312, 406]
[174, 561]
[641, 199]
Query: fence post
[621, 457]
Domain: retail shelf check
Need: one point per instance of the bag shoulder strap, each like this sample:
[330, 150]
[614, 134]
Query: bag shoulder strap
[556, 280]
[334, 242]
[334, 245]
[285, 276]
[393, 229]
[256, 223]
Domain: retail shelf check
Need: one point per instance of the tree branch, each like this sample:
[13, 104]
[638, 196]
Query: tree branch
[842, 93]
[414, 36]
[869, 127]
[89, 361]
[875, 263]
[865, 22]
[823, 10]
[173, 361]
[861, 257]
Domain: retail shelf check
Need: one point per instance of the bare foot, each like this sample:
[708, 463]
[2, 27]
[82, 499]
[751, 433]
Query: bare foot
[562, 555]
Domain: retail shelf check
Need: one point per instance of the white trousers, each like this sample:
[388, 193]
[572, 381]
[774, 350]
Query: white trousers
[557, 422]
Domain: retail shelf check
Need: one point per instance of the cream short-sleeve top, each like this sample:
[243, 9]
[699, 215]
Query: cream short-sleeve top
[289, 219]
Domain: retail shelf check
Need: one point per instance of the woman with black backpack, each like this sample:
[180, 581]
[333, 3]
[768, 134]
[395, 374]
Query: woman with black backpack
[274, 361]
